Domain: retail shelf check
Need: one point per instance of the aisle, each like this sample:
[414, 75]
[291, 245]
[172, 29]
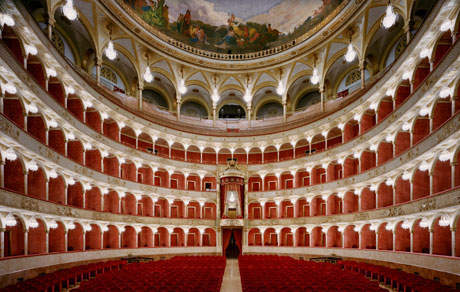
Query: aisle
[231, 281]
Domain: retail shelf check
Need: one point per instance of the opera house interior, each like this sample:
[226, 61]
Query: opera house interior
[244, 145]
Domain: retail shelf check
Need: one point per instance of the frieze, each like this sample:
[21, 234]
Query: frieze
[231, 222]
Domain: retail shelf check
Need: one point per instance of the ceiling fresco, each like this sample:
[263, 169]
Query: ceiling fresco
[236, 26]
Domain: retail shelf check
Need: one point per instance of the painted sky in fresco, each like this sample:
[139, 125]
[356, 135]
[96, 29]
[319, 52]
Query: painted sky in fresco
[283, 15]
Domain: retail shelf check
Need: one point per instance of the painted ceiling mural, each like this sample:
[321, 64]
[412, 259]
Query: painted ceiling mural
[233, 26]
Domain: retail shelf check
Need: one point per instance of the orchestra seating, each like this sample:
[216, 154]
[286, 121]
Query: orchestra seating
[182, 273]
[66, 278]
[265, 273]
[396, 279]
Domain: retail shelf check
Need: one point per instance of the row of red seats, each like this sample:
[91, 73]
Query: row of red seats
[399, 280]
[65, 278]
[193, 273]
[282, 273]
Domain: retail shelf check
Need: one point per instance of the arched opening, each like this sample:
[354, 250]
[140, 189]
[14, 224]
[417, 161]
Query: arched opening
[75, 195]
[57, 238]
[145, 237]
[232, 111]
[57, 141]
[93, 199]
[14, 175]
[442, 241]
[14, 237]
[334, 237]
[385, 237]
[37, 237]
[402, 240]
[93, 237]
[75, 237]
[111, 237]
[318, 237]
[254, 237]
[368, 199]
[287, 237]
[350, 202]
[421, 238]
[351, 237]
[36, 184]
[269, 110]
[177, 237]
[303, 237]
[128, 237]
[368, 237]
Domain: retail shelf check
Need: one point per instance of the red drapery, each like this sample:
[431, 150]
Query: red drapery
[231, 184]
[237, 236]
[226, 234]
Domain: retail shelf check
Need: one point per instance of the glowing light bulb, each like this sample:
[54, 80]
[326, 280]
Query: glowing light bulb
[351, 54]
[110, 51]
[69, 10]
[390, 17]
[182, 88]
[280, 88]
[148, 77]
[315, 77]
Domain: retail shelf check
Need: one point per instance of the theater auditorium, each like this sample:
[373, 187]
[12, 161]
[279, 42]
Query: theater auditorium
[244, 145]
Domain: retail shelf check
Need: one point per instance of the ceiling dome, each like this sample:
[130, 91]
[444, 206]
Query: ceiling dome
[232, 27]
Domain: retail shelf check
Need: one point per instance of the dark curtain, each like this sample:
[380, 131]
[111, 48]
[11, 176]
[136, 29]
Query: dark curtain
[227, 234]
[237, 236]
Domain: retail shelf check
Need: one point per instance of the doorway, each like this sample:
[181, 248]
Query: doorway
[232, 243]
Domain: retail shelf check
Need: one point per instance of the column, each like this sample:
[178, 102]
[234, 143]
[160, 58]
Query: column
[84, 239]
[359, 239]
[363, 76]
[411, 240]
[452, 242]
[66, 238]
[26, 242]
[178, 109]
[26, 191]
[2, 171]
[102, 239]
[139, 94]
[284, 110]
[394, 238]
[431, 182]
[411, 190]
[431, 240]
[2, 242]
[47, 241]
[377, 239]
[47, 189]
[65, 194]
[452, 177]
